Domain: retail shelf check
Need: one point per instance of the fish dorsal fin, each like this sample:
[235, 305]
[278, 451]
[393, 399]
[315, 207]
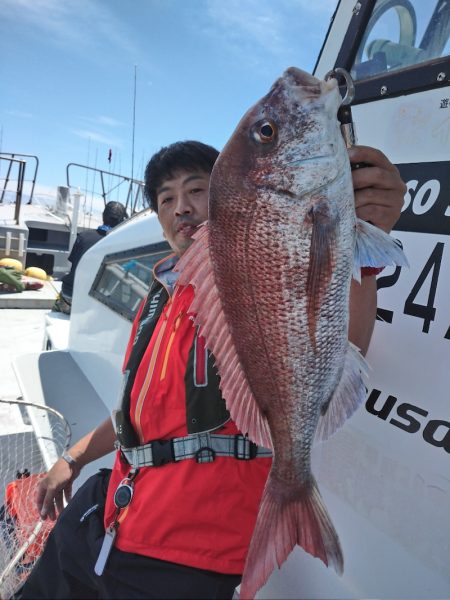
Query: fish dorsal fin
[196, 269]
[347, 397]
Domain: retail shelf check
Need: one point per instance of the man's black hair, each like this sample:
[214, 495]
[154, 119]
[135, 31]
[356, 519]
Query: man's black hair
[114, 214]
[188, 155]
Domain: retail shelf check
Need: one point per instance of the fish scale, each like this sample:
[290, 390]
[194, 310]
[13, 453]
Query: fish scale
[271, 271]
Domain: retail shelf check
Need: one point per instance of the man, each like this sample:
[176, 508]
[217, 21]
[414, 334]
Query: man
[180, 529]
[113, 214]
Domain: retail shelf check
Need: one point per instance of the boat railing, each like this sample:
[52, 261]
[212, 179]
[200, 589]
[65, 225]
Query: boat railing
[19, 186]
[13, 158]
[107, 184]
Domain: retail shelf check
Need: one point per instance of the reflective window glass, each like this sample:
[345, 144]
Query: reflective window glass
[401, 34]
[124, 278]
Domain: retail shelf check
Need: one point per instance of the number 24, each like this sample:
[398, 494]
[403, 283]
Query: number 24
[427, 311]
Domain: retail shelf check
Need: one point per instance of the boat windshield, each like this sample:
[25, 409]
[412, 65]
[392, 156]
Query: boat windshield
[402, 34]
[123, 279]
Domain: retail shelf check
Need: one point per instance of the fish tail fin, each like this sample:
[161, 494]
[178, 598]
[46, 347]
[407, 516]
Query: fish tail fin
[375, 248]
[281, 524]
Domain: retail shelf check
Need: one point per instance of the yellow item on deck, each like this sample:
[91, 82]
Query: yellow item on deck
[36, 272]
[11, 262]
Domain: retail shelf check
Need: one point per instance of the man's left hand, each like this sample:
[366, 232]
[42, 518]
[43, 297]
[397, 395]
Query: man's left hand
[379, 189]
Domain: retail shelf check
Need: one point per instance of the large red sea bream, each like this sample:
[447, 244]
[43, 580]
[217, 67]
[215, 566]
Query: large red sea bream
[271, 271]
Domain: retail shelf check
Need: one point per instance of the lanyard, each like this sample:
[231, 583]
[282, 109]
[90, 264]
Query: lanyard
[122, 499]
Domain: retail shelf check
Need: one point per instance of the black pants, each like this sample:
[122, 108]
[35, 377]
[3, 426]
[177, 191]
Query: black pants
[66, 567]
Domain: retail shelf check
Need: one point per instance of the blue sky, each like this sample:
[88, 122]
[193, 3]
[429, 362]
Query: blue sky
[67, 73]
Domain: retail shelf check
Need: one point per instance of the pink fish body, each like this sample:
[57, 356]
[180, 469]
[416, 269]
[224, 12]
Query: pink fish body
[272, 272]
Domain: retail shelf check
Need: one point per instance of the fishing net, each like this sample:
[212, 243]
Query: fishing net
[32, 437]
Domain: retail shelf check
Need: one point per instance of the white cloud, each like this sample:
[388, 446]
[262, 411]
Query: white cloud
[255, 30]
[103, 120]
[19, 113]
[253, 21]
[324, 7]
[96, 136]
[237, 19]
[79, 25]
[109, 121]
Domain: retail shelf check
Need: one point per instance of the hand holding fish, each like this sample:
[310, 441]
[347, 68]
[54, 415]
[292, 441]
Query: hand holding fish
[379, 195]
[379, 189]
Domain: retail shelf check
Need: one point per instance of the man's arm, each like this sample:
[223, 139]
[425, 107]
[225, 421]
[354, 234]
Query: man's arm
[57, 484]
[363, 309]
[58, 481]
[379, 196]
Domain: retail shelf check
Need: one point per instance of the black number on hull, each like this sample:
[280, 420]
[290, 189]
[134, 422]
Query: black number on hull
[384, 282]
[426, 312]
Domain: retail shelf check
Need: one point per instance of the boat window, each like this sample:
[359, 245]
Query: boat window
[124, 278]
[401, 34]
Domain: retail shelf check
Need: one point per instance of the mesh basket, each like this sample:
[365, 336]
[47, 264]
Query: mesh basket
[38, 437]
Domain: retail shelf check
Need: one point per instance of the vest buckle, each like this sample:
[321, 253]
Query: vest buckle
[162, 452]
[244, 449]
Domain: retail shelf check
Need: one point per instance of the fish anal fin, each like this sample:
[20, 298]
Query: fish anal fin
[320, 259]
[347, 397]
[280, 525]
[196, 269]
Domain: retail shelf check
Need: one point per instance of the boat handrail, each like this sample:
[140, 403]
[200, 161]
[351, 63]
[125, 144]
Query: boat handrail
[20, 179]
[12, 157]
[135, 194]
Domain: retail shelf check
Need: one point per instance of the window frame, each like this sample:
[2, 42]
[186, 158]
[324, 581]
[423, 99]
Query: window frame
[420, 77]
[147, 250]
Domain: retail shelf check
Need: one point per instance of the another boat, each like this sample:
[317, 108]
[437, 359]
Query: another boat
[39, 229]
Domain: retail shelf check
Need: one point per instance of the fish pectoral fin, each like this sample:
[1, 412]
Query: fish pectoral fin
[320, 267]
[347, 397]
[375, 248]
[196, 269]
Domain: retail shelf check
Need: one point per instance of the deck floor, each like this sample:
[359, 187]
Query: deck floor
[21, 331]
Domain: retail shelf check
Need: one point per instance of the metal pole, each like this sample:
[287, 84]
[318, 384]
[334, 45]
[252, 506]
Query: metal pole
[7, 178]
[134, 127]
[74, 221]
[103, 188]
[34, 180]
[19, 190]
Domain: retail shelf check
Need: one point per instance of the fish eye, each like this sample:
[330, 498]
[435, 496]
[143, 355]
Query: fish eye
[265, 131]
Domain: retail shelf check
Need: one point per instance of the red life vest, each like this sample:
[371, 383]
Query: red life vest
[199, 515]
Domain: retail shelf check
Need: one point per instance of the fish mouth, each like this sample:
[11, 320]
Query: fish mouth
[300, 161]
[315, 153]
[297, 77]
[301, 83]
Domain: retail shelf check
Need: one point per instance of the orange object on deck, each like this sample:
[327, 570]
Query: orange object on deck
[20, 502]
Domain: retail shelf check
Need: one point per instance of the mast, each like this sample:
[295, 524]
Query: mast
[134, 127]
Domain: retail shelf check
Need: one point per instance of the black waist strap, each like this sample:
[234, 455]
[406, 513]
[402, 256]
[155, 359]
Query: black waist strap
[203, 447]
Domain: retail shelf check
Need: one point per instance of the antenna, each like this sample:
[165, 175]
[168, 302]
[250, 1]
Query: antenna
[134, 126]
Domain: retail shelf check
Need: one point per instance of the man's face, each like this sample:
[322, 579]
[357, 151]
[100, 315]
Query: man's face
[182, 206]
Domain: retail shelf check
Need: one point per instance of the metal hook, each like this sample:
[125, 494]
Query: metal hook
[338, 73]
[344, 113]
